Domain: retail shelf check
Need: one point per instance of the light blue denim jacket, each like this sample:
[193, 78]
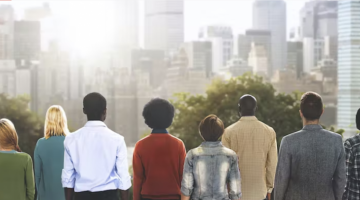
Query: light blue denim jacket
[208, 172]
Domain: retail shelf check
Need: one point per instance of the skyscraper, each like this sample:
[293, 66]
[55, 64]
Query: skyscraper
[348, 64]
[27, 41]
[271, 15]
[164, 24]
[7, 16]
[222, 40]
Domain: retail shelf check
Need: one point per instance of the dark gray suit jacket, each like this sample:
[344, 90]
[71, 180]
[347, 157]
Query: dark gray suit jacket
[311, 166]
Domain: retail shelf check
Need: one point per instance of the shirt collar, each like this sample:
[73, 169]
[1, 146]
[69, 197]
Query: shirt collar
[248, 118]
[95, 124]
[313, 127]
[155, 131]
[12, 151]
[211, 144]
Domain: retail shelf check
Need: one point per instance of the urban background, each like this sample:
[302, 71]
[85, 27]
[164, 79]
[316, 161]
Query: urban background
[138, 50]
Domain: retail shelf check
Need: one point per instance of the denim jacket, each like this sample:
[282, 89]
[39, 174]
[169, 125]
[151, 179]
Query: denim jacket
[211, 172]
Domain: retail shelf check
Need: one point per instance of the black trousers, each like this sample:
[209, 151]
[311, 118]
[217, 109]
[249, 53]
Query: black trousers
[103, 195]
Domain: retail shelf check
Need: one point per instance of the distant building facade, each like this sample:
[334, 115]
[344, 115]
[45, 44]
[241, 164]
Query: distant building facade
[7, 17]
[27, 41]
[295, 57]
[200, 56]
[236, 67]
[259, 60]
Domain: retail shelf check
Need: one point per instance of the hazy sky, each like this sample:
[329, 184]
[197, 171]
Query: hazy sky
[89, 15]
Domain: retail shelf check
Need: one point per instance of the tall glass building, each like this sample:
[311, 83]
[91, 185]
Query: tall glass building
[348, 64]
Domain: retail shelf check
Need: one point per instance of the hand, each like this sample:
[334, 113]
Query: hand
[269, 196]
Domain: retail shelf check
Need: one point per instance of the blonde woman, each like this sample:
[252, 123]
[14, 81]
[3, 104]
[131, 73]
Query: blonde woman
[49, 156]
[16, 168]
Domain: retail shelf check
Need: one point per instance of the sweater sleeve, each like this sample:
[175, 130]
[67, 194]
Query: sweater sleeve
[29, 180]
[182, 156]
[138, 171]
[37, 164]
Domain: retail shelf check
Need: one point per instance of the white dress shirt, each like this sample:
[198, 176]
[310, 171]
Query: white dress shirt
[95, 159]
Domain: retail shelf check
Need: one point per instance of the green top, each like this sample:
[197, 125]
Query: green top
[16, 177]
[49, 162]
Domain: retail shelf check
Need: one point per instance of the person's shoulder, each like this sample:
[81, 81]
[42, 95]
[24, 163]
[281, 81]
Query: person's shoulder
[293, 136]
[233, 126]
[265, 126]
[40, 141]
[23, 156]
[228, 152]
[176, 139]
[353, 141]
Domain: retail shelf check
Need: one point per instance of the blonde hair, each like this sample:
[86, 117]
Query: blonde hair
[55, 122]
[8, 136]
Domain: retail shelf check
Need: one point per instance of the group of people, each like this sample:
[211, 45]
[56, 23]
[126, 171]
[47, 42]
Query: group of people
[91, 163]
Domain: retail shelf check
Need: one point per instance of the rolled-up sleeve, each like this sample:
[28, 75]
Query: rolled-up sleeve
[187, 184]
[122, 167]
[235, 180]
[68, 173]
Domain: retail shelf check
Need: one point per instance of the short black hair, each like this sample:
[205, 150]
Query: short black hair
[358, 119]
[94, 106]
[247, 103]
[158, 113]
[211, 128]
[311, 106]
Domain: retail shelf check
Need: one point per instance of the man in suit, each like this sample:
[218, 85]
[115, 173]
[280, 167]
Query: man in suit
[352, 150]
[311, 161]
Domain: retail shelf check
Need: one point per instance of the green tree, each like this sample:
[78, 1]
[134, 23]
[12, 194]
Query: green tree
[28, 125]
[278, 110]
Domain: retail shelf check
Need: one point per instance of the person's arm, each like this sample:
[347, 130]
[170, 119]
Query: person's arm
[68, 174]
[37, 164]
[182, 156]
[234, 182]
[183, 197]
[349, 167]
[138, 170]
[29, 180]
[283, 170]
[339, 178]
[271, 162]
[122, 169]
[225, 140]
[187, 183]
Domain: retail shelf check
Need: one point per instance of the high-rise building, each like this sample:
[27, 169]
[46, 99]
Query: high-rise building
[37, 13]
[8, 77]
[259, 60]
[199, 56]
[258, 37]
[27, 41]
[236, 67]
[7, 16]
[164, 24]
[295, 57]
[348, 65]
[222, 40]
[271, 15]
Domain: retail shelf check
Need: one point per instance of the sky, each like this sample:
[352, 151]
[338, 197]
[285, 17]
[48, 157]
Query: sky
[89, 16]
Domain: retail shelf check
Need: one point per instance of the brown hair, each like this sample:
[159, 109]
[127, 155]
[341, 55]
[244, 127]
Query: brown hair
[8, 136]
[311, 106]
[211, 128]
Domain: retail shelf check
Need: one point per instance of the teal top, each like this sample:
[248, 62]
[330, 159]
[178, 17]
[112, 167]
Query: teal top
[49, 162]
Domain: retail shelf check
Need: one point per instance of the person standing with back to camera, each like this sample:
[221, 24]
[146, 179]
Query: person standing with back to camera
[255, 144]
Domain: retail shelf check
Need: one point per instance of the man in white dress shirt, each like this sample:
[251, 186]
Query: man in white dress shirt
[95, 160]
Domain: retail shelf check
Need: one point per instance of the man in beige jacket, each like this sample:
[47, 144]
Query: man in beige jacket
[255, 144]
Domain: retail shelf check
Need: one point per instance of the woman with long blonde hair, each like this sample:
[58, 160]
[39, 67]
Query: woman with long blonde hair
[16, 168]
[49, 155]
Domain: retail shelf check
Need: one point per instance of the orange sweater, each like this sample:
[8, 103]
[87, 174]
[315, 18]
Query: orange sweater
[158, 164]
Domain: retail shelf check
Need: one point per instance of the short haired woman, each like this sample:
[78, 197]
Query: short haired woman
[16, 168]
[49, 156]
[211, 170]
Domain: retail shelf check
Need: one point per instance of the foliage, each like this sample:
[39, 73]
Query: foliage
[278, 110]
[28, 125]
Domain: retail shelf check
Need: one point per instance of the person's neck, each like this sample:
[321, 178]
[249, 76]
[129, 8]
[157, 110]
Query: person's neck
[91, 120]
[315, 122]
[247, 115]
[4, 149]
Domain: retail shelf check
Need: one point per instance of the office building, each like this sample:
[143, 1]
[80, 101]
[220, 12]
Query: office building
[164, 24]
[235, 67]
[37, 13]
[258, 60]
[348, 65]
[271, 15]
[7, 15]
[27, 41]
[222, 40]
[8, 77]
[295, 57]
[199, 56]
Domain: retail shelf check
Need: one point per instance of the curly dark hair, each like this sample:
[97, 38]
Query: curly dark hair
[158, 113]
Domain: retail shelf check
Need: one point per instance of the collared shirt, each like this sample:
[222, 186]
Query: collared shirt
[95, 160]
[209, 170]
[352, 151]
[255, 144]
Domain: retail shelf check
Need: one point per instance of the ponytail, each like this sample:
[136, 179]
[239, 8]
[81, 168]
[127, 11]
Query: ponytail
[17, 148]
